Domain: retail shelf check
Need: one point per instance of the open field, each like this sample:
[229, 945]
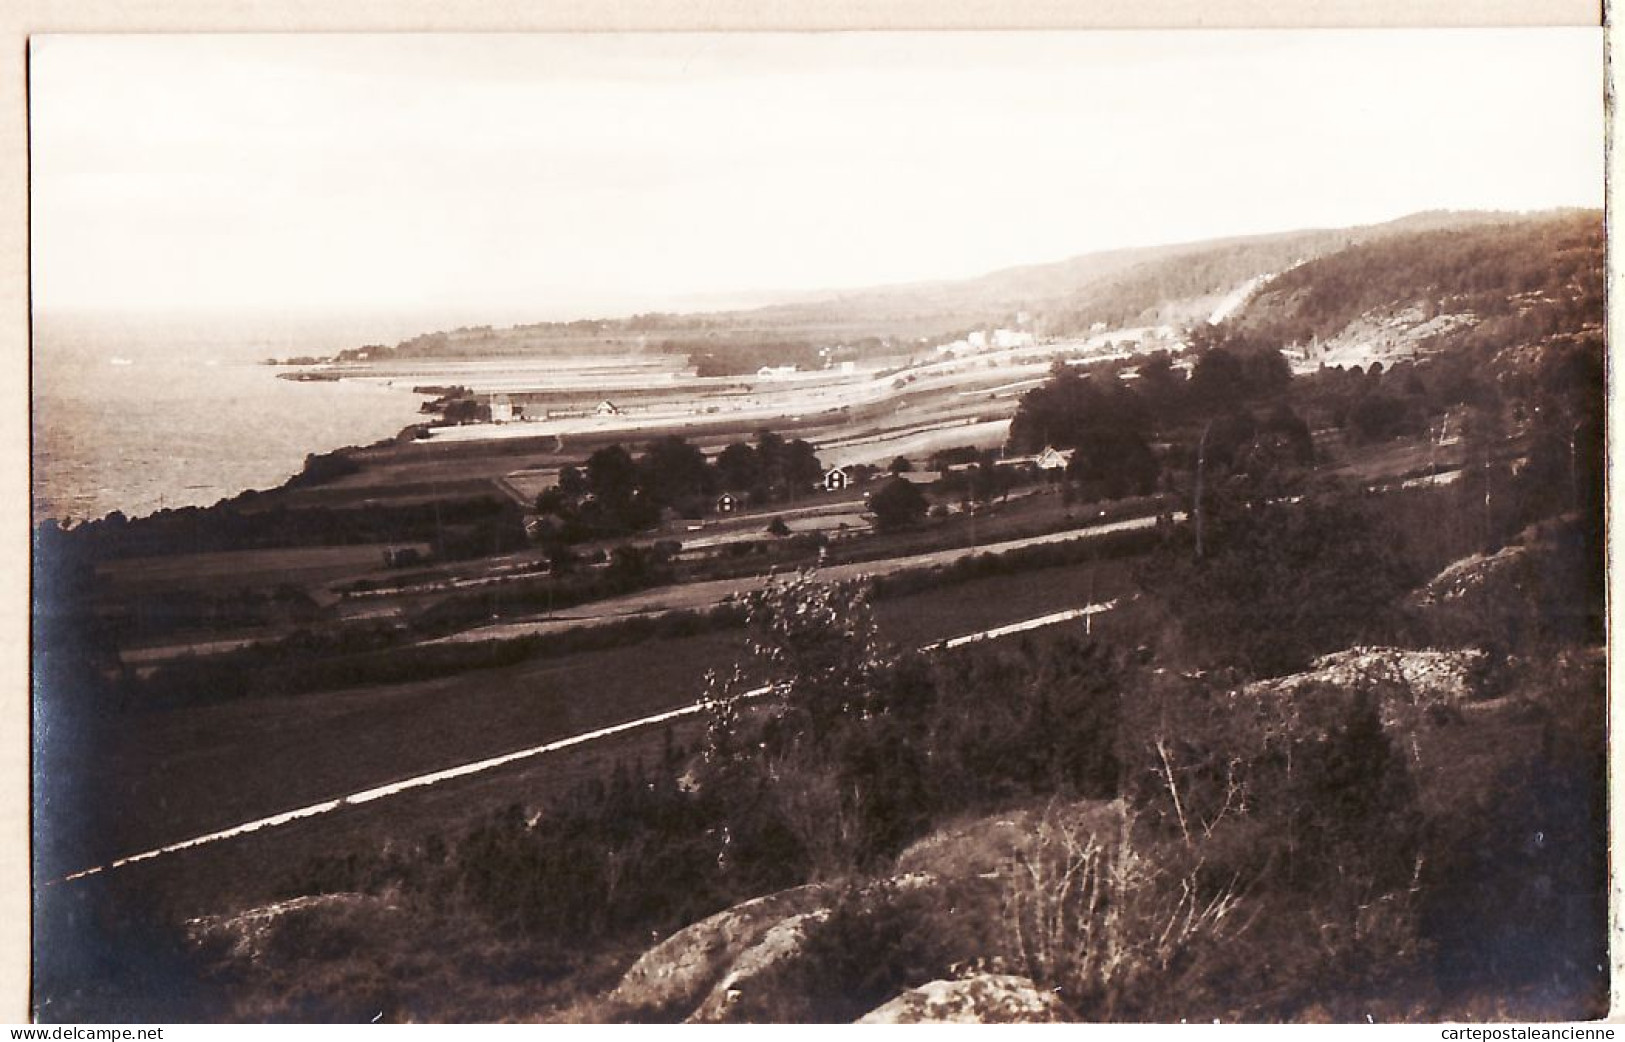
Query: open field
[701, 595]
[301, 566]
[185, 772]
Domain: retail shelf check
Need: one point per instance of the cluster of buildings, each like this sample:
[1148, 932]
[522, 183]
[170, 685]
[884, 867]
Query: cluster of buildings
[505, 410]
[988, 340]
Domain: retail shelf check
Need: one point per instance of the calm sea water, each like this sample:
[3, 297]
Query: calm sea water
[138, 415]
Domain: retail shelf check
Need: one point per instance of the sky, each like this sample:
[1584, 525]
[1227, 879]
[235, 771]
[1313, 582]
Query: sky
[567, 175]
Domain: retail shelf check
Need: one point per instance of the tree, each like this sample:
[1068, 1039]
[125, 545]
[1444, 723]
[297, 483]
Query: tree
[611, 474]
[673, 472]
[819, 648]
[987, 482]
[1266, 372]
[1279, 581]
[738, 468]
[770, 461]
[1217, 380]
[1160, 385]
[802, 469]
[900, 465]
[1112, 463]
[897, 505]
[573, 483]
[551, 500]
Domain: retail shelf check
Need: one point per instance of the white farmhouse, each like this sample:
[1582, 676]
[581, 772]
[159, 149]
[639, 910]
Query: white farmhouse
[1053, 459]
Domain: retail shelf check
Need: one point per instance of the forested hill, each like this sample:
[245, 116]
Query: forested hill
[1178, 284]
[1521, 278]
[1173, 284]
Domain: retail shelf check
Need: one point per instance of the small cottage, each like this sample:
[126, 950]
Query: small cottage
[607, 408]
[836, 479]
[727, 503]
[1053, 459]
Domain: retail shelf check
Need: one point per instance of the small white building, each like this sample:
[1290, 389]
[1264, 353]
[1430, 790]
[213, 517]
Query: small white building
[772, 372]
[727, 503]
[501, 409]
[1053, 459]
[836, 479]
[607, 408]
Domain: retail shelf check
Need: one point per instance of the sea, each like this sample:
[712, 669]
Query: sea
[138, 413]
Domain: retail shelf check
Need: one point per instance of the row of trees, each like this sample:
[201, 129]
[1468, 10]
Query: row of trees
[1123, 437]
[617, 494]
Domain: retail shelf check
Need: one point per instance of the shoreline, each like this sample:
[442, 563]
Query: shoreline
[286, 485]
[62, 514]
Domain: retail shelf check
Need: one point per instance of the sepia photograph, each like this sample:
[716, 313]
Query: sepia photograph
[888, 527]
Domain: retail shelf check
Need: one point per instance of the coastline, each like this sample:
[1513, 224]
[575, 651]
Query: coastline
[288, 484]
[178, 459]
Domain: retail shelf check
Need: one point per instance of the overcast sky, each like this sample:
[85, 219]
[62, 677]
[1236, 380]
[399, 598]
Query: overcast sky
[546, 176]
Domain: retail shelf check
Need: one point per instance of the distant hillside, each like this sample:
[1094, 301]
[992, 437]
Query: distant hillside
[1141, 285]
[1487, 271]
[1172, 284]
[1490, 288]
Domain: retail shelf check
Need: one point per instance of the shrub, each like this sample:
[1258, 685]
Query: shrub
[1276, 582]
[1111, 927]
[898, 504]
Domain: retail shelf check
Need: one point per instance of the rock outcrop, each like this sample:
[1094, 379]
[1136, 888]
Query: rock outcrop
[1405, 680]
[680, 972]
[987, 998]
[735, 965]
[1468, 577]
[245, 936]
[779, 946]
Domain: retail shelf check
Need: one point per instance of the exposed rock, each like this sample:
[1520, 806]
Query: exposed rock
[725, 968]
[1467, 576]
[778, 946]
[987, 998]
[1388, 334]
[245, 935]
[1404, 679]
[677, 973]
[1428, 675]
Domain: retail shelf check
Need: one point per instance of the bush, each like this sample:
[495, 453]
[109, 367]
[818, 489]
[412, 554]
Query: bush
[1277, 582]
[898, 504]
[1119, 934]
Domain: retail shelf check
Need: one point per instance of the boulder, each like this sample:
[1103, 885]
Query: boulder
[755, 968]
[987, 998]
[678, 973]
